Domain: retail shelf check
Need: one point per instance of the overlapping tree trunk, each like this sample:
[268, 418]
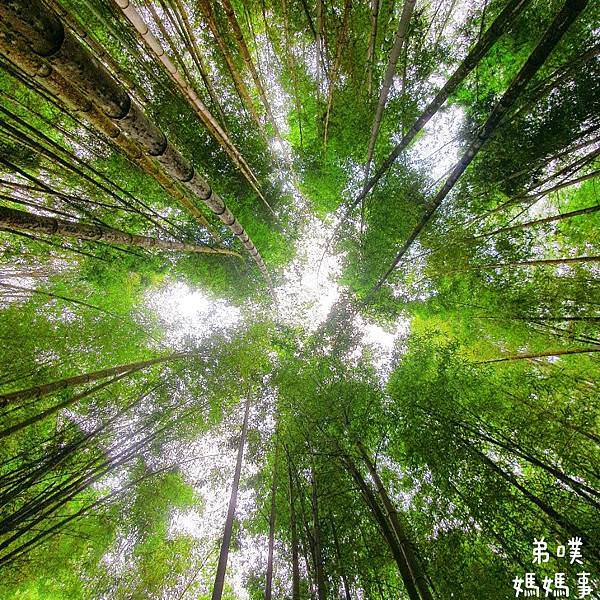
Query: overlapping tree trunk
[189, 93]
[407, 11]
[239, 36]
[415, 564]
[336, 67]
[293, 533]
[47, 39]
[39, 391]
[240, 86]
[487, 40]
[269, 577]
[563, 20]
[372, 42]
[224, 553]
[24, 221]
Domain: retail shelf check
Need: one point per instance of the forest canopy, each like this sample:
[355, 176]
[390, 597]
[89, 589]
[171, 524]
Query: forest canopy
[299, 299]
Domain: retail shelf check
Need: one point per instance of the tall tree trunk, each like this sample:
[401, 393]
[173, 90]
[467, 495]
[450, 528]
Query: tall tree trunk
[224, 553]
[24, 221]
[243, 48]
[407, 11]
[181, 13]
[415, 564]
[209, 15]
[46, 37]
[293, 534]
[319, 567]
[38, 391]
[372, 42]
[385, 527]
[269, 581]
[489, 38]
[561, 23]
[291, 65]
[338, 554]
[66, 403]
[191, 96]
[530, 355]
[535, 223]
[319, 47]
[55, 296]
[336, 67]
[543, 506]
[56, 85]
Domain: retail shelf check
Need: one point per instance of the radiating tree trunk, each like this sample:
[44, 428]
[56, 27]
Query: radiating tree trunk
[341, 41]
[57, 86]
[269, 579]
[533, 198]
[372, 42]
[536, 222]
[66, 403]
[291, 65]
[28, 290]
[543, 506]
[38, 391]
[18, 219]
[47, 37]
[493, 33]
[209, 15]
[224, 553]
[181, 16]
[319, 566]
[336, 543]
[385, 527]
[407, 11]
[243, 48]
[561, 23]
[319, 47]
[189, 93]
[529, 355]
[415, 564]
[293, 534]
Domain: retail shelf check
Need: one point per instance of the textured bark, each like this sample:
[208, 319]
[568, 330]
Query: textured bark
[399, 40]
[224, 553]
[75, 100]
[269, 578]
[18, 219]
[47, 37]
[38, 391]
[530, 355]
[493, 33]
[569, 12]
[372, 42]
[189, 93]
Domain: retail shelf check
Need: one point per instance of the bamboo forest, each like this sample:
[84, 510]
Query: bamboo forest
[299, 299]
